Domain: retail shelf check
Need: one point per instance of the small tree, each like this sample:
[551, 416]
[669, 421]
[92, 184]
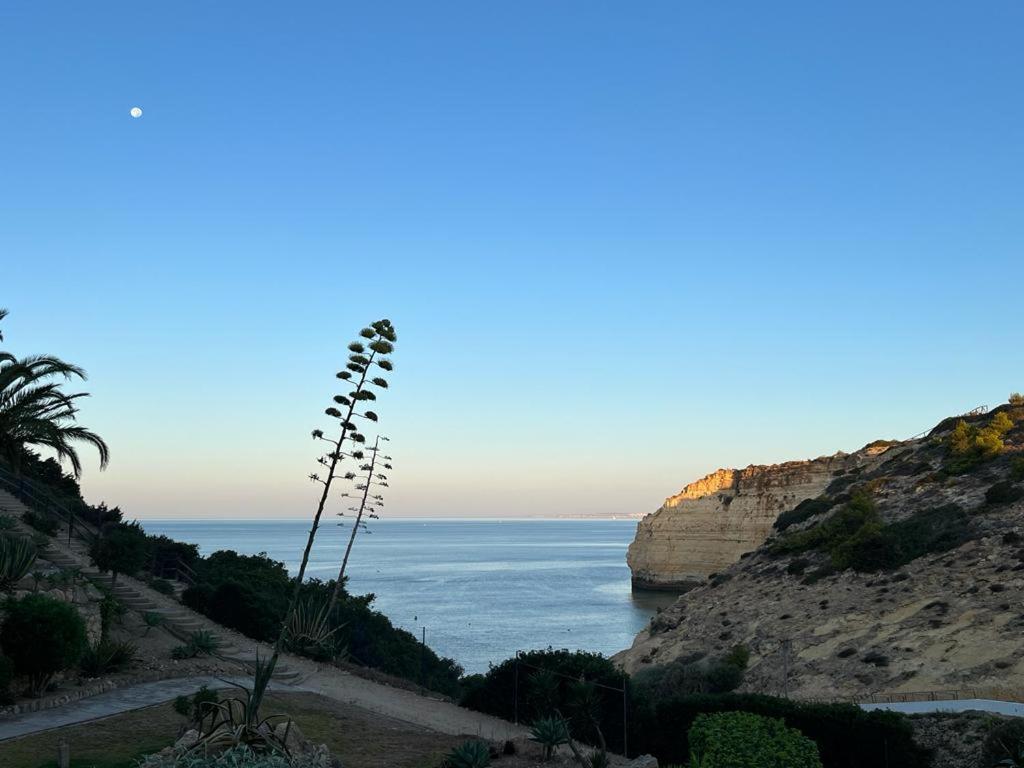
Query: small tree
[42, 636]
[122, 549]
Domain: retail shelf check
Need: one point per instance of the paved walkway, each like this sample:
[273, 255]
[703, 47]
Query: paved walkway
[106, 704]
[433, 714]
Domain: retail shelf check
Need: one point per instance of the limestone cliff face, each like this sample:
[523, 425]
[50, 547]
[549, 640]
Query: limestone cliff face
[707, 526]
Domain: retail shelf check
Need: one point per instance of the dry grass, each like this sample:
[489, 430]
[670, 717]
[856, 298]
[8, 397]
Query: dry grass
[359, 738]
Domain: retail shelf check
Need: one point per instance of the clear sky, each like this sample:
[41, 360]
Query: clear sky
[623, 244]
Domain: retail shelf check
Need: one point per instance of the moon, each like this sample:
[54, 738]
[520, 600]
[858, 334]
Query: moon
[135, 112]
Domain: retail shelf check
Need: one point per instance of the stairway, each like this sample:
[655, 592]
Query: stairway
[136, 596]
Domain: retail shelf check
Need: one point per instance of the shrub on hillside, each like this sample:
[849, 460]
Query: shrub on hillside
[744, 740]
[196, 706]
[968, 446]
[805, 510]
[856, 537]
[847, 736]
[540, 682]
[1004, 743]
[1016, 399]
[40, 522]
[163, 586]
[1017, 469]
[1003, 492]
[42, 636]
[689, 675]
[250, 593]
[122, 548]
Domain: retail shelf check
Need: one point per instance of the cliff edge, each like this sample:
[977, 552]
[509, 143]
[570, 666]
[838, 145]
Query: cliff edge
[712, 522]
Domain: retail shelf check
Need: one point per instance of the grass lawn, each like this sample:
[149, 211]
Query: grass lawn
[359, 738]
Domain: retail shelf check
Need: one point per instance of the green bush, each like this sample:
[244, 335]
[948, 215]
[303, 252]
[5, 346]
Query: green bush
[42, 636]
[688, 675]
[250, 593]
[470, 754]
[163, 586]
[1003, 744]
[1017, 469]
[847, 736]
[196, 706]
[1003, 492]
[7, 523]
[42, 523]
[121, 549]
[856, 537]
[968, 446]
[744, 740]
[546, 681]
[202, 642]
[805, 510]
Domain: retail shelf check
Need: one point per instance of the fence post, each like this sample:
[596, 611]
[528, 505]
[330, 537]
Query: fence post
[515, 691]
[625, 729]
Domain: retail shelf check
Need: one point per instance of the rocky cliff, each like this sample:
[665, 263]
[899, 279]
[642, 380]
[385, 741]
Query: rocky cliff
[905, 575]
[708, 525]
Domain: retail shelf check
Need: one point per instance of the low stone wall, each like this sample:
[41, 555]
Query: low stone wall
[93, 688]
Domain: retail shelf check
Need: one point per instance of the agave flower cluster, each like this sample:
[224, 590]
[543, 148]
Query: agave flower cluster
[368, 490]
[365, 356]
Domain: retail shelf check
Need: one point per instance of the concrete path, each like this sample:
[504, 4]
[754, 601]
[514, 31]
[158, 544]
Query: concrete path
[110, 703]
[433, 714]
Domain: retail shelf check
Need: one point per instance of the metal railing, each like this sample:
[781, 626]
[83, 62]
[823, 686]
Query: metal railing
[41, 500]
[947, 695]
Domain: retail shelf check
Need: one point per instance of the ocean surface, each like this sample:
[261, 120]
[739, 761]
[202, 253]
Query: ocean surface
[483, 589]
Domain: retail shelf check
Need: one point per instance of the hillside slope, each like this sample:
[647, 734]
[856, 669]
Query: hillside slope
[905, 574]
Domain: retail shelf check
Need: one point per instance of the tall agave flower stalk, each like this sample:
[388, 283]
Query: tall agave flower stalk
[368, 508]
[376, 341]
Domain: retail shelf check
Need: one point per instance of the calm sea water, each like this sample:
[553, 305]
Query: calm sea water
[481, 588]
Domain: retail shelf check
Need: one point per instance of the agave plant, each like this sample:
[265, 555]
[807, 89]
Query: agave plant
[235, 721]
[309, 629]
[550, 733]
[17, 556]
[470, 754]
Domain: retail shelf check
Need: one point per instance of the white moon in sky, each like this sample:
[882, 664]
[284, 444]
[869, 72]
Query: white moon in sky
[135, 112]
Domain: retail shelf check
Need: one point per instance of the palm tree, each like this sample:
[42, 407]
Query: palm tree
[34, 412]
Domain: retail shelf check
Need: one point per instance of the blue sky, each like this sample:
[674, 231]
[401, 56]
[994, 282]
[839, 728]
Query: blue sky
[622, 244]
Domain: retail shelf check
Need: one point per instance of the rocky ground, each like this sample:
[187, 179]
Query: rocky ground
[950, 620]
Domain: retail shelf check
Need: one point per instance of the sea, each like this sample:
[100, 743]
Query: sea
[480, 589]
